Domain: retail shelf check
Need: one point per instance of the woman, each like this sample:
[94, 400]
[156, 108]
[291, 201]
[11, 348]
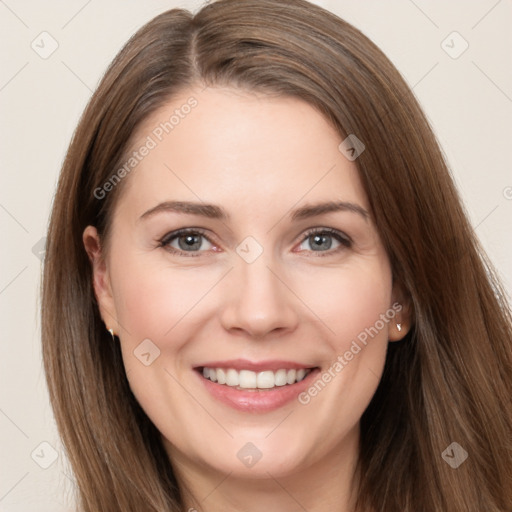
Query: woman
[200, 353]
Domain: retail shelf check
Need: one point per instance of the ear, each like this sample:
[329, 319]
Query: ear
[401, 304]
[101, 278]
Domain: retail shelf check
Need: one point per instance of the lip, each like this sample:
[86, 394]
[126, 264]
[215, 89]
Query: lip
[245, 364]
[259, 401]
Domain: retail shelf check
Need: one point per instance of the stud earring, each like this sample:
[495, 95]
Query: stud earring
[111, 331]
[399, 327]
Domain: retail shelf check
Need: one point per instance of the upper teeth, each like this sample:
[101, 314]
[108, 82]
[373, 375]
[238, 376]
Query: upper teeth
[248, 379]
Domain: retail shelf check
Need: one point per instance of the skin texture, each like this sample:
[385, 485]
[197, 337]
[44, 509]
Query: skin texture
[259, 158]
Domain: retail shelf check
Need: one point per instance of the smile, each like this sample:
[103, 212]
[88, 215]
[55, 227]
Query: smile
[252, 387]
[248, 379]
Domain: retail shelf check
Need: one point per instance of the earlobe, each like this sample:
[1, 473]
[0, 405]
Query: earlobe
[401, 324]
[397, 330]
[100, 275]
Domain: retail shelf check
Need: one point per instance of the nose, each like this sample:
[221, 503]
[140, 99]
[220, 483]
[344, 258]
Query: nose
[259, 301]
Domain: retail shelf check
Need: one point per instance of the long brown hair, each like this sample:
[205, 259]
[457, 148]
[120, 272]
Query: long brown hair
[448, 381]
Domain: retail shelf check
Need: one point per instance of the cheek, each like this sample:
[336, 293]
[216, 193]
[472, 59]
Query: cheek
[353, 305]
[349, 300]
[151, 297]
[151, 300]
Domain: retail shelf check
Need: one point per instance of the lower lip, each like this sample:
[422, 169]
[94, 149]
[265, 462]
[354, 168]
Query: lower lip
[257, 401]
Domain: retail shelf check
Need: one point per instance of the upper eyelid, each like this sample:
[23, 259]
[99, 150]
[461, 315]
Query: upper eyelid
[331, 231]
[183, 231]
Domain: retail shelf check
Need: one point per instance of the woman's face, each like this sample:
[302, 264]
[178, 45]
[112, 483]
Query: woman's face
[268, 283]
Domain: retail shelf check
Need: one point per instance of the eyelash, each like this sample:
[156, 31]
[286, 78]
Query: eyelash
[164, 242]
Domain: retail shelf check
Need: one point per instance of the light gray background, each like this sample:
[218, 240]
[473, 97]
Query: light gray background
[467, 99]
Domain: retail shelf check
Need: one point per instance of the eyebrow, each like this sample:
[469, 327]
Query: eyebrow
[212, 211]
[305, 212]
[205, 210]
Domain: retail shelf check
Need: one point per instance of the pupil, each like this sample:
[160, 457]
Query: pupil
[191, 242]
[319, 239]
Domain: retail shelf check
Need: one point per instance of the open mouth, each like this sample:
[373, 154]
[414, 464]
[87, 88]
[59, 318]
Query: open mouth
[248, 380]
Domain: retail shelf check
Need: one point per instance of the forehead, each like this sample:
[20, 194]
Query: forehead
[236, 147]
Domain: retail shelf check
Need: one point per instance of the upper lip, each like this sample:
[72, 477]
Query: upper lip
[255, 366]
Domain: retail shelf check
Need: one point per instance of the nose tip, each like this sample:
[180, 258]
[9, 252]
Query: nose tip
[257, 302]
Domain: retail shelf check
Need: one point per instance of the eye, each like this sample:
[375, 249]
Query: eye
[190, 241]
[186, 241]
[321, 240]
